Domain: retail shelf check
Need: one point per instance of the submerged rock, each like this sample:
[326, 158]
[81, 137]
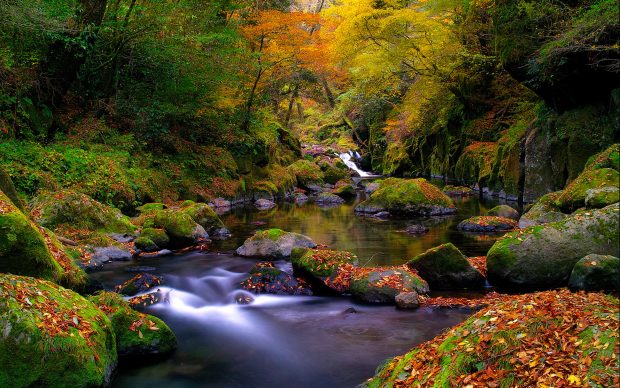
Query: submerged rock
[328, 199]
[596, 273]
[138, 336]
[407, 197]
[543, 256]
[265, 278]
[445, 267]
[458, 191]
[52, 337]
[264, 204]
[274, 244]
[487, 224]
[504, 211]
[416, 229]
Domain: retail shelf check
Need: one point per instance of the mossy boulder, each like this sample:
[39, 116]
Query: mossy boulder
[180, 227]
[157, 236]
[543, 211]
[204, 216]
[511, 343]
[407, 197]
[596, 273]
[601, 197]
[52, 337]
[306, 172]
[610, 158]
[574, 195]
[265, 278]
[332, 174]
[504, 211]
[487, 224]
[382, 285]
[145, 244]
[78, 210]
[345, 190]
[274, 244]
[543, 256]
[445, 268]
[321, 266]
[138, 336]
[30, 250]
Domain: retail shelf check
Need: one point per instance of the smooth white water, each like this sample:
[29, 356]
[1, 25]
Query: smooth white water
[347, 158]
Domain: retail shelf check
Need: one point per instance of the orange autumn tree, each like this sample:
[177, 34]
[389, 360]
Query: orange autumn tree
[277, 40]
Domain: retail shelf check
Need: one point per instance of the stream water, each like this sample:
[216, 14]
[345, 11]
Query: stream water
[290, 341]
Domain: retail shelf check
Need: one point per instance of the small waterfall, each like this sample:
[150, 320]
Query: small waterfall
[348, 159]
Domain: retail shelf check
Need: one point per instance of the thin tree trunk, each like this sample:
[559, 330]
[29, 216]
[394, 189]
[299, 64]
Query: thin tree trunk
[291, 103]
[328, 92]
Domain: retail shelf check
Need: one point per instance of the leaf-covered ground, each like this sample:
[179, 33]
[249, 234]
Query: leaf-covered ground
[545, 339]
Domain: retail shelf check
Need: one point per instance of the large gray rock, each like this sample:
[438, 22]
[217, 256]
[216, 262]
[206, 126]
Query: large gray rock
[274, 244]
[595, 273]
[543, 256]
[445, 267]
[108, 254]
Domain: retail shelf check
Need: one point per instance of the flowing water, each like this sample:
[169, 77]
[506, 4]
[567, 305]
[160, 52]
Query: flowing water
[348, 158]
[280, 341]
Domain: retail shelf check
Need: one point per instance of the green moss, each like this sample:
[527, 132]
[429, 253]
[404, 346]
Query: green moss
[321, 262]
[408, 196]
[137, 334]
[610, 158]
[332, 174]
[151, 207]
[444, 258]
[203, 215]
[146, 244]
[179, 226]
[574, 195]
[306, 172]
[476, 162]
[78, 211]
[81, 353]
[272, 234]
[157, 236]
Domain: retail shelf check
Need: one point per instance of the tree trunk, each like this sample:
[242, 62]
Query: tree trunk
[328, 92]
[291, 103]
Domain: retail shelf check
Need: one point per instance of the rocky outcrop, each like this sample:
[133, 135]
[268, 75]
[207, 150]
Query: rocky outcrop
[596, 273]
[52, 337]
[274, 244]
[543, 256]
[445, 268]
[407, 197]
[543, 211]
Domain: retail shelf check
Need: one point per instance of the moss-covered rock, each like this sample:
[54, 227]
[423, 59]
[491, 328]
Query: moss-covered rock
[204, 216]
[515, 341]
[407, 197]
[595, 273]
[179, 226]
[306, 172]
[8, 188]
[574, 195]
[345, 190]
[321, 266]
[543, 211]
[488, 224]
[158, 236]
[384, 284]
[610, 158]
[78, 210]
[145, 244]
[151, 207]
[274, 244]
[332, 174]
[52, 337]
[543, 256]
[445, 267]
[476, 163]
[30, 250]
[601, 197]
[265, 278]
[137, 335]
[504, 211]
